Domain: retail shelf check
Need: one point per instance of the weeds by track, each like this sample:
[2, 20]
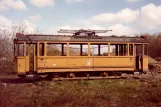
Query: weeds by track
[133, 91]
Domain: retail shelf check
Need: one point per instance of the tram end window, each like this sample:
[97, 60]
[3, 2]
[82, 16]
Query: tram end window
[19, 50]
[141, 49]
[138, 49]
[145, 49]
[131, 49]
[27, 48]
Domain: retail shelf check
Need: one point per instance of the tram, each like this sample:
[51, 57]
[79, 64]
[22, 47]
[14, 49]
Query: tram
[79, 55]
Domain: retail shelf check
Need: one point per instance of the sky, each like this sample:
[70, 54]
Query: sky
[124, 17]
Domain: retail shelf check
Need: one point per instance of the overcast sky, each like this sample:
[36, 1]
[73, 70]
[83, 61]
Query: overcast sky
[124, 17]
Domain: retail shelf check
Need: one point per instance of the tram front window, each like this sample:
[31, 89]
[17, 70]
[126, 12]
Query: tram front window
[19, 49]
[145, 49]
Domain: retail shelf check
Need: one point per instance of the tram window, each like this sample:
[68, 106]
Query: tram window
[99, 50]
[35, 49]
[64, 49]
[30, 49]
[16, 49]
[113, 50]
[118, 49]
[123, 50]
[131, 49]
[27, 48]
[41, 49]
[84, 50]
[56, 49]
[138, 49]
[74, 50]
[145, 49]
[104, 50]
[19, 49]
[78, 49]
[94, 50]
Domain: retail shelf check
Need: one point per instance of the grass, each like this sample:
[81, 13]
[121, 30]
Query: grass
[94, 93]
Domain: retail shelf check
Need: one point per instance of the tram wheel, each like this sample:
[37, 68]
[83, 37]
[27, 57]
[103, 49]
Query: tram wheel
[22, 76]
[49, 77]
[71, 75]
[104, 74]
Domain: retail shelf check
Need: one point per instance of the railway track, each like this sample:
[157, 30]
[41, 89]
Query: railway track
[87, 78]
[149, 75]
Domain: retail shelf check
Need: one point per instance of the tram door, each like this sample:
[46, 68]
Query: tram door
[19, 58]
[139, 57]
[32, 57]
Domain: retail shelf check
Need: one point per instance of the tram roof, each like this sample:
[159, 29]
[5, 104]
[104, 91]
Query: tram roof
[68, 38]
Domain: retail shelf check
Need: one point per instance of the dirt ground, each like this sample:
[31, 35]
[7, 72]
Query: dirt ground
[134, 91]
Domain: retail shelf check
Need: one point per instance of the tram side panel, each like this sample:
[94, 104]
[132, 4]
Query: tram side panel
[20, 65]
[75, 64]
[114, 63]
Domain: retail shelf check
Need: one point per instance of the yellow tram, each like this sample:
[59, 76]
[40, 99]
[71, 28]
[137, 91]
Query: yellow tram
[81, 54]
